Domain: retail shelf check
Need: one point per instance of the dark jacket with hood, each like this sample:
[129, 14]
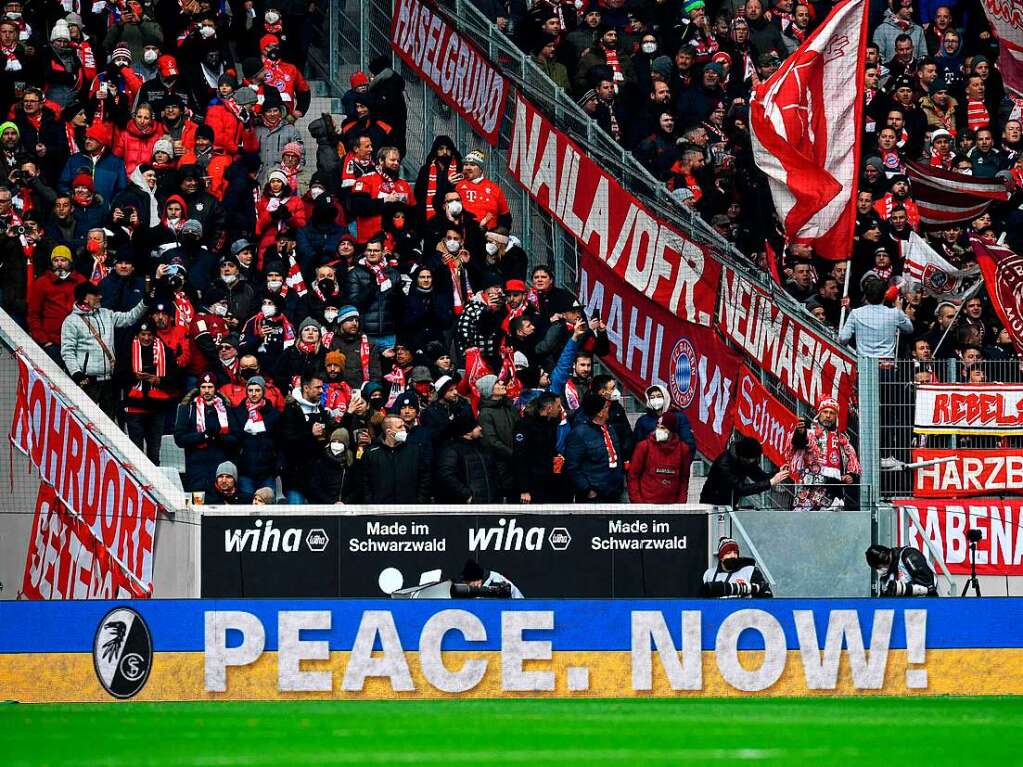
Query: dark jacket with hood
[328, 164]
[204, 451]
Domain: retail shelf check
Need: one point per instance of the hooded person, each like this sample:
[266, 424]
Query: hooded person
[441, 170]
[734, 576]
[658, 403]
[333, 468]
[278, 208]
[659, 468]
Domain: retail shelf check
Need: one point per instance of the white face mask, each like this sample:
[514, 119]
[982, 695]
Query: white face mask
[491, 248]
[173, 221]
[649, 47]
[272, 17]
[616, 396]
[453, 246]
[207, 32]
[230, 279]
[661, 434]
[454, 207]
[400, 436]
[14, 15]
[150, 56]
[330, 316]
[337, 447]
[62, 273]
[655, 403]
[268, 311]
[220, 310]
[315, 192]
[275, 285]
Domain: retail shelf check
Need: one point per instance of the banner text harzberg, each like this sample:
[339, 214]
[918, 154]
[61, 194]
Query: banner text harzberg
[642, 249]
[680, 657]
[455, 68]
[806, 364]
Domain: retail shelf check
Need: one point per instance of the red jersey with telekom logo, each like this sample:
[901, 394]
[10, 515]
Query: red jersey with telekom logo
[376, 186]
[484, 199]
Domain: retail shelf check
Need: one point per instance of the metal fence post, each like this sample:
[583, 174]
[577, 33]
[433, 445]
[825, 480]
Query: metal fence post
[870, 425]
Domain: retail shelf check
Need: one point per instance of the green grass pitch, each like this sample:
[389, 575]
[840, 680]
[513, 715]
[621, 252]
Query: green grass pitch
[918, 732]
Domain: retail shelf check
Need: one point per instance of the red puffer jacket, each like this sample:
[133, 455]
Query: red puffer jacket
[229, 133]
[135, 146]
[268, 224]
[659, 471]
[50, 304]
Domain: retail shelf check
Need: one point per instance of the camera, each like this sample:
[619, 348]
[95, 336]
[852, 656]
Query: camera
[974, 535]
[16, 231]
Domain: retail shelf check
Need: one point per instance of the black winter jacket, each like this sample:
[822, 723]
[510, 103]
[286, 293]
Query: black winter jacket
[380, 309]
[466, 470]
[399, 474]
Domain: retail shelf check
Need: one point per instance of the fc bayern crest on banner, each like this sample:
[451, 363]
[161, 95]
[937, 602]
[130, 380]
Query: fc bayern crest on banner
[683, 373]
[122, 652]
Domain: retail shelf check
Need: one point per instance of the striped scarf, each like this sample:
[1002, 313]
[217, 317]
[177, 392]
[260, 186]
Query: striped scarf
[977, 116]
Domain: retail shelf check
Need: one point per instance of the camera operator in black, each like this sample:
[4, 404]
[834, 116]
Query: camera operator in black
[734, 577]
[903, 572]
[473, 574]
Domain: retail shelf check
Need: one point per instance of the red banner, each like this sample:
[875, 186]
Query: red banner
[65, 561]
[108, 510]
[1006, 19]
[454, 67]
[969, 473]
[808, 365]
[650, 346]
[944, 523]
[969, 409]
[656, 260]
[1003, 277]
[760, 415]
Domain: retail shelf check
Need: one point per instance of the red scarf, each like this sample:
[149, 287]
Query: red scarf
[254, 408]
[99, 268]
[308, 348]
[200, 414]
[571, 395]
[612, 454]
[159, 360]
[379, 271]
[616, 67]
[364, 356]
[397, 380]
[977, 116]
[232, 368]
[183, 309]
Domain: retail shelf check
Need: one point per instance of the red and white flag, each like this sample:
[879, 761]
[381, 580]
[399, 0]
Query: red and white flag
[1003, 276]
[938, 277]
[944, 197]
[805, 126]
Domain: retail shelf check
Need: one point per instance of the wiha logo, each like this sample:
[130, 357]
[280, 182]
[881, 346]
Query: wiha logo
[264, 537]
[508, 535]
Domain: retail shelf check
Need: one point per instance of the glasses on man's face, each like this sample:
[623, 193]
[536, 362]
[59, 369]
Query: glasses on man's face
[30, 101]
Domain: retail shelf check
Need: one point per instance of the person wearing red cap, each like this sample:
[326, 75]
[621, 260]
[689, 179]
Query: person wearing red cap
[659, 469]
[107, 170]
[285, 77]
[823, 461]
[735, 577]
[359, 87]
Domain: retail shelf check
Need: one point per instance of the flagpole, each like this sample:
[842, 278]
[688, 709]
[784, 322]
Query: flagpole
[845, 293]
[967, 297]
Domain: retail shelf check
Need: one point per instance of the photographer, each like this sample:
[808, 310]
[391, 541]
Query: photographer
[902, 572]
[735, 577]
[30, 189]
[477, 577]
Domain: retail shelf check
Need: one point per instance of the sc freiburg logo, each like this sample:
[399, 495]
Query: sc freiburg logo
[122, 652]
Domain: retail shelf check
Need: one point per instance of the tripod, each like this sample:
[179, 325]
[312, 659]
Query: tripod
[973, 572]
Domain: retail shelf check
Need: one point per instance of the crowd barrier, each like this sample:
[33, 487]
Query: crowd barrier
[332, 649]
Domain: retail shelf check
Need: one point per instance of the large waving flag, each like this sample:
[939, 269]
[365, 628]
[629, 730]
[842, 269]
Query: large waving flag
[805, 126]
[1003, 277]
[944, 197]
[930, 269]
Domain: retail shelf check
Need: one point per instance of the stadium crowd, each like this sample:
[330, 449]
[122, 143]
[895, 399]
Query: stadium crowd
[354, 334]
[672, 82]
[360, 335]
